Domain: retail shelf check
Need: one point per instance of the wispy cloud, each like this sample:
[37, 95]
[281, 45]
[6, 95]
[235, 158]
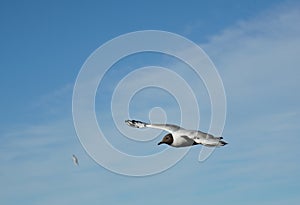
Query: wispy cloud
[259, 57]
[258, 62]
[259, 65]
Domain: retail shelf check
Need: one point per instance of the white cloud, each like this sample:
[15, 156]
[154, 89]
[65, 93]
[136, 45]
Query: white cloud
[259, 64]
[259, 58]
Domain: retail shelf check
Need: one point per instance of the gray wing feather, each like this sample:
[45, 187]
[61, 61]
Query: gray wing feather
[199, 137]
[166, 127]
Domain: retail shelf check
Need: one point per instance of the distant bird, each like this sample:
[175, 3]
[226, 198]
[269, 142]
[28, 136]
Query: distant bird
[180, 137]
[75, 160]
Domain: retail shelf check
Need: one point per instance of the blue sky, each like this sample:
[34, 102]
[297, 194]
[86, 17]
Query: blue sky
[255, 47]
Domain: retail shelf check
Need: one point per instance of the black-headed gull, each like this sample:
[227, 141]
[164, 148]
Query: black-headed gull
[75, 160]
[180, 137]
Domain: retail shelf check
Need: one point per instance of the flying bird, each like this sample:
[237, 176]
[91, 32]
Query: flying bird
[180, 137]
[75, 160]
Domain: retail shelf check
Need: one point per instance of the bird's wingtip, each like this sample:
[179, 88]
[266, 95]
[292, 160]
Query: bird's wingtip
[135, 123]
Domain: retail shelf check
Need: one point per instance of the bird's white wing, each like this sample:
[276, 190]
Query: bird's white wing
[166, 127]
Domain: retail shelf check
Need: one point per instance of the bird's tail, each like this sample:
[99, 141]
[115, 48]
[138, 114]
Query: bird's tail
[222, 143]
[135, 123]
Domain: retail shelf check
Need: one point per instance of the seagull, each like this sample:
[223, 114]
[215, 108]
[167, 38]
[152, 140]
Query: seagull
[75, 160]
[180, 137]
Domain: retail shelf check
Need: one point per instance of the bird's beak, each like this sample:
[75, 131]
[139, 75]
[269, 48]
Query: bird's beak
[160, 143]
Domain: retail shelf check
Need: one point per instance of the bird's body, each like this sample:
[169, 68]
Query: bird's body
[180, 137]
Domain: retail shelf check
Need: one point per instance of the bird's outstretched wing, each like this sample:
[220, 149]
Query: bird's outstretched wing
[166, 127]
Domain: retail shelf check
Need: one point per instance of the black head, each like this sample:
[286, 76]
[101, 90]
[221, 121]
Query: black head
[168, 139]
